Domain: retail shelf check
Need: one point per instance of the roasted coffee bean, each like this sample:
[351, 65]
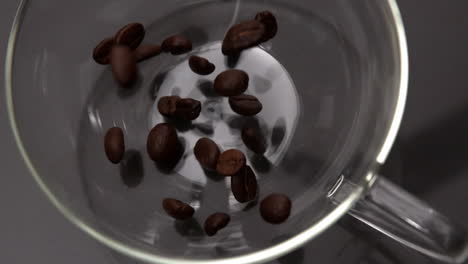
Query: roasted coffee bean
[176, 45]
[114, 144]
[242, 36]
[231, 82]
[207, 153]
[244, 185]
[131, 35]
[244, 104]
[216, 222]
[253, 137]
[275, 208]
[188, 109]
[230, 162]
[101, 53]
[163, 145]
[124, 65]
[177, 209]
[201, 65]
[167, 105]
[269, 21]
[144, 52]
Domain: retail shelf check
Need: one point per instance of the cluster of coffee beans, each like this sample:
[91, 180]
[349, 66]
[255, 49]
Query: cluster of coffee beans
[163, 146]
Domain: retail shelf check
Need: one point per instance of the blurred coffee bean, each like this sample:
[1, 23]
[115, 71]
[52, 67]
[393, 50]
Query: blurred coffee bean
[242, 36]
[253, 137]
[114, 144]
[163, 145]
[201, 65]
[231, 83]
[101, 53]
[269, 21]
[207, 153]
[216, 222]
[177, 209]
[176, 45]
[144, 52]
[246, 105]
[130, 35]
[230, 162]
[275, 208]
[188, 109]
[124, 65]
[167, 105]
[244, 185]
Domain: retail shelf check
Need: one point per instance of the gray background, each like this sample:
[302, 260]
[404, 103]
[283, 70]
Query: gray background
[430, 156]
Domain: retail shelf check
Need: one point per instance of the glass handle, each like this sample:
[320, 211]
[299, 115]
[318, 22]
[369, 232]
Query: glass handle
[403, 217]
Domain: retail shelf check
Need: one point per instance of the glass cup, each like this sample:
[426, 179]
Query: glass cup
[333, 85]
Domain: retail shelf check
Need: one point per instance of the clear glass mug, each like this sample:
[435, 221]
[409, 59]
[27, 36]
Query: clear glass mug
[333, 84]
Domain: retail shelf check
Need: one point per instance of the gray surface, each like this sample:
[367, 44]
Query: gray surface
[432, 148]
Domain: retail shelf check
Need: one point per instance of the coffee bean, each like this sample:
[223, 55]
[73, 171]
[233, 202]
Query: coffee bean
[131, 35]
[114, 144]
[207, 153]
[188, 109]
[201, 65]
[230, 162]
[269, 21]
[231, 82]
[101, 53]
[177, 209]
[124, 65]
[243, 36]
[176, 45]
[244, 185]
[275, 208]
[216, 222]
[163, 145]
[167, 105]
[144, 52]
[253, 137]
[244, 104]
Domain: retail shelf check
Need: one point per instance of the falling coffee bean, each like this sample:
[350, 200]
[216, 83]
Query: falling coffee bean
[216, 222]
[163, 145]
[269, 21]
[188, 109]
[242, 36]
[177, 45]
[167, 105]
[275, 208]
[230, 162]
[114, 144]
[244, 185]
[131, 35]
[231, 83]
[253, 137]
[144, 52]
[101, 53]
[207, 153]
[177, 209]
[201, 65]
[246, 105]
[124, 65]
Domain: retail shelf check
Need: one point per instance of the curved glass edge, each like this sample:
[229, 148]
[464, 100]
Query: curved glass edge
[256, 257]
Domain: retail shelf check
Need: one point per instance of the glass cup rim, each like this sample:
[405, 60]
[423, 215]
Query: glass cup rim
[255, 257]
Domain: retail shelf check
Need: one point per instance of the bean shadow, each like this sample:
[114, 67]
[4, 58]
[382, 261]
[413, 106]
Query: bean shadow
[131, 168]
[206, 88]
[278, 133]
[190, 229]
[232, 61]
[261, 84]
[260, 163]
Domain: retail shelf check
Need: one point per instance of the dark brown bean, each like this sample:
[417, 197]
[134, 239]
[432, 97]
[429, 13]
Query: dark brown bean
[253, 137]
[207, 153]
[124, 65]
[101, 53]
[131, 35]
[243, 36]
[269, 21]
[216, 222]
[231, 82]
[144, 52]
[244, 185]
[176, 45]
[230, 162]
[275, 208]
[114, 144]
[163, 145]
[246, 105]
[167, 105]
[188, 109]
[177, 209]
[201, 65]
